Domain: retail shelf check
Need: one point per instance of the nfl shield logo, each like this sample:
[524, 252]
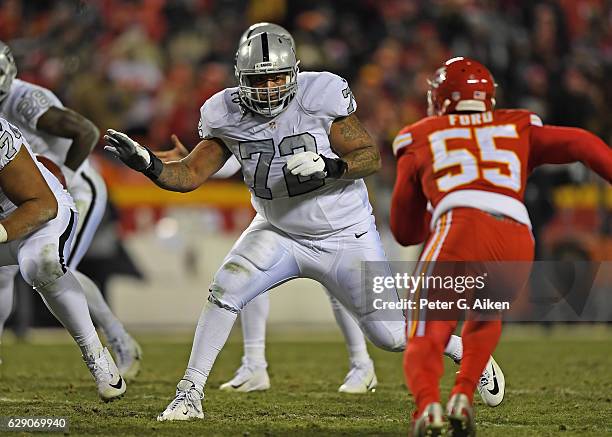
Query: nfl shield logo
[480, 95]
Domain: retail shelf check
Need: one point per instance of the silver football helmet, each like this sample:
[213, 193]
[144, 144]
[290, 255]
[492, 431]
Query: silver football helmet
[266, 54]
[8, 70]
[258, 28]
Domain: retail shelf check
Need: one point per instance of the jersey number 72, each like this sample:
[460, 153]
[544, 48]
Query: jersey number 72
[265, 148]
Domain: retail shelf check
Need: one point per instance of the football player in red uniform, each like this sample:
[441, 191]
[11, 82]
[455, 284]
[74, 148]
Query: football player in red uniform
[471, 163]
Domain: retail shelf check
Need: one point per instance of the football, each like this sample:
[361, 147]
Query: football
[53, 168]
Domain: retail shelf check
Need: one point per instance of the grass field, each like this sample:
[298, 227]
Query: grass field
[559, 383]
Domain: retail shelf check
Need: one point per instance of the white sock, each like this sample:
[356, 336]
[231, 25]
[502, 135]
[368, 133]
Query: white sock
[454, 348]
[253, 318]
[65, 299]
[353, 336]
[7, 293]
[100, 312]
[214, 326]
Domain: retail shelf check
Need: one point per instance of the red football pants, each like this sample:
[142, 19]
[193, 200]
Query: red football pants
[462, 234]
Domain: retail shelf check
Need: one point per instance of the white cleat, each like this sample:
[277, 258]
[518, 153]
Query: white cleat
[430, 423]
[128, 354]
[492, 384]
[110, 384]
[186, 405]
[360, 379]
[248, 378]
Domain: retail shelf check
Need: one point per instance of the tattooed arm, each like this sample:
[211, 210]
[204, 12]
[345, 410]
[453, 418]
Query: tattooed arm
[193, 170]
[184, 175]
[355, 146]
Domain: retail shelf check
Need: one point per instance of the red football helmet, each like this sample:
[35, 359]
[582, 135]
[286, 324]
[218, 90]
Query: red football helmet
[462, 84]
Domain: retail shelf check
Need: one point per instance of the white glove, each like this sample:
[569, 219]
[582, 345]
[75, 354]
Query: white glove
[307, 164]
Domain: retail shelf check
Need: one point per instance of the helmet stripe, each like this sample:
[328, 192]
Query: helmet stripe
[264, 47]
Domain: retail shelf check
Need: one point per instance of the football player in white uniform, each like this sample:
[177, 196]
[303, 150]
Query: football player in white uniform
[66, 138]
[252, 375]
[313, 217]
[37, 223]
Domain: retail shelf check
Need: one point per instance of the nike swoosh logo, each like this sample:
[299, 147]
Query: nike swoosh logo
[239, 385]
[118, 384]
[495, 385]
[361, 235]
[315, 160]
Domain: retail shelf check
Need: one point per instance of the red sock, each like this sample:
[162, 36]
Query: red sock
[479, 341]
[423, 366]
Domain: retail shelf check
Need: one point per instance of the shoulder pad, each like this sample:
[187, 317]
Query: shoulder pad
[325, 94]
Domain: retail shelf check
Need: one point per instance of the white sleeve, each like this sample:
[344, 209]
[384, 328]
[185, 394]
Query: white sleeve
[212, 112]
[11, 140]
[229, 169]
[33, 103]
[330, 96]
[204, 128]
[535, 120]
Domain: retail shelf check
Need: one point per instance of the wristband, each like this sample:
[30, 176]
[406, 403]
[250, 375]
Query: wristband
[3, 234]
[334, 168]
[155, 167]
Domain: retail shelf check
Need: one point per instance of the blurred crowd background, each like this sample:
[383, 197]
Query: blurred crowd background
[146, 66]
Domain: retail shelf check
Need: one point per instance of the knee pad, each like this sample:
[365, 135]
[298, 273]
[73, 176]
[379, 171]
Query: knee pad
[230, 282]
[387, 335]
[42, 268]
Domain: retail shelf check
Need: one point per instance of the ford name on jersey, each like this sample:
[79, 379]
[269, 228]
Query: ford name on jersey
[301, 206]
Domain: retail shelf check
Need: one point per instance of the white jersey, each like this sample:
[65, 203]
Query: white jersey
[11, 141]
[262, 145]
[23, 106]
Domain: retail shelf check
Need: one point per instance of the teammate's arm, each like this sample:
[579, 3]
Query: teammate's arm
[178, 151]
[24, 185]
[355, 146]
[408, 204]
[66, 123]
[564, 145]
[184, 175]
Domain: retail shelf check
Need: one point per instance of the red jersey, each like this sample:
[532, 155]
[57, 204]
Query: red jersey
[480, 160]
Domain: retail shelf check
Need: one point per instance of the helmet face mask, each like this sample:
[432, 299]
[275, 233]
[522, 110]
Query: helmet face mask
[264, 96]
[461, 85]
[8, 70]
[261, 60]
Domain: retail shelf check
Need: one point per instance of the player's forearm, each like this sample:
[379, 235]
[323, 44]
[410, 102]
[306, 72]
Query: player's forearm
[355, 146]
[406, 230]
[29, 216]
[177, 176]
[83, 143]
[409, 218]
[596, 155]
[564, 145]
[66, 123]
[362, 162]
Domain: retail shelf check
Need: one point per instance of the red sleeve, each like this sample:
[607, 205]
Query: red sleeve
[408, 204]
[564, 145]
